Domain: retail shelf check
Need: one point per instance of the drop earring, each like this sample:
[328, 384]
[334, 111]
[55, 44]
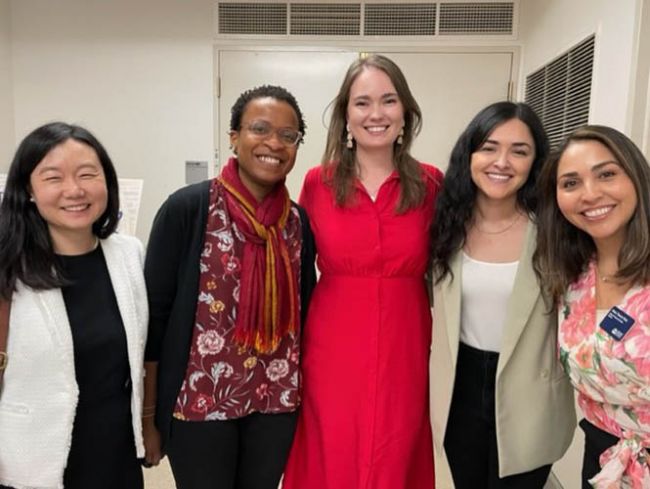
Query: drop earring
[400, 136]
[350, 142]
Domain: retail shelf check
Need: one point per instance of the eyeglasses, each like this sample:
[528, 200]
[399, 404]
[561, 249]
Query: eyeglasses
[263, 130]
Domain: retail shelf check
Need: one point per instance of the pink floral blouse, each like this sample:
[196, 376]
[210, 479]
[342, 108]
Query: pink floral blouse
[612, 378]
[224, 380]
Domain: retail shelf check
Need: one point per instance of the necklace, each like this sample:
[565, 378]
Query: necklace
[606, 278]
[500, 231]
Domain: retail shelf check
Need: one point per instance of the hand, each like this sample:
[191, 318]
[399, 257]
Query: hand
[152, 445]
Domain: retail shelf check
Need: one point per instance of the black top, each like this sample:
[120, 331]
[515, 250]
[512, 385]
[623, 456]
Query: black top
[171, 273]
[100, 352]
[102, 453]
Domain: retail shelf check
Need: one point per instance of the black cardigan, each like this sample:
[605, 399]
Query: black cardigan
[172, 276]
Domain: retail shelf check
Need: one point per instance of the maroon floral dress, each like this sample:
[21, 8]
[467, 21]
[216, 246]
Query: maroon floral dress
[224, 380]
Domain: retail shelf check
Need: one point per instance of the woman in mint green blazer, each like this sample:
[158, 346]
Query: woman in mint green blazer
[501, 406]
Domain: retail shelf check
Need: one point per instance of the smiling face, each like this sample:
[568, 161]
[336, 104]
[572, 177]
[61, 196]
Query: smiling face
[501, 165]
[594, 193]
[265, 160]
[375, 114]
[68, 187]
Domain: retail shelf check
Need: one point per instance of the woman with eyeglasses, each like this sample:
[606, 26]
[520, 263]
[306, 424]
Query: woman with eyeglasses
[364, 422]
[230, 271]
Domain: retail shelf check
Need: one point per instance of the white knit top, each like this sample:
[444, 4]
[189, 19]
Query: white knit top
[486, 289]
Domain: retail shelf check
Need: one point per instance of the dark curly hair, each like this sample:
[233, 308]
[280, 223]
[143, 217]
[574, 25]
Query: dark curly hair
[272, 91]
[455, 204]
[26, 251]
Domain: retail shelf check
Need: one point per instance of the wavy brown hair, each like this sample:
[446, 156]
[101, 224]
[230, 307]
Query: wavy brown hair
[340, 162]
[564, 251]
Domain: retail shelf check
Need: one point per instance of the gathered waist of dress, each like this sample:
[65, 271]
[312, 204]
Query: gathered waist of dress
[370, 277]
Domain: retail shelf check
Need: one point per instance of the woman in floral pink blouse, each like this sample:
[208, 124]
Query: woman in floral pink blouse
[229, 271]
[593, 258]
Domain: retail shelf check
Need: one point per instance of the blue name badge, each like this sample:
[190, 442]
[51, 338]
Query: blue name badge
[617, 323]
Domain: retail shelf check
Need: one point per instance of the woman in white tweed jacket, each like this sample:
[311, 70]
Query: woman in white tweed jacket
[70, 405]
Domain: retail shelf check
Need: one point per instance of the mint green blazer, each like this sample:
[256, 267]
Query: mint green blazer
[535, 414]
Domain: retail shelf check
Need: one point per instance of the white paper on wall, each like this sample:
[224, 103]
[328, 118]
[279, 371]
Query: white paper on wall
[130, 197]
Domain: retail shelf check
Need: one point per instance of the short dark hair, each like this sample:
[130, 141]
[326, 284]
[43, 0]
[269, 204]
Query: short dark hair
[26, 251]
[271, 91]
[455, 204]
[564, 251]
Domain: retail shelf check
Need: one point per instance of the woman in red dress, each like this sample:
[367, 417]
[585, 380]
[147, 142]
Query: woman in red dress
[364, 421]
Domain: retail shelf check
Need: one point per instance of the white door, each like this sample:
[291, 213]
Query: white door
[450, 88]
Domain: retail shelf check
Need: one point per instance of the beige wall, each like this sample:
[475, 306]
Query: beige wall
[136, 73]
[640, 114]
[550, 27]
[7, 142]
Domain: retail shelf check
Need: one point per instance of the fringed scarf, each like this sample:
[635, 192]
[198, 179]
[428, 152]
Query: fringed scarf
[268, 296]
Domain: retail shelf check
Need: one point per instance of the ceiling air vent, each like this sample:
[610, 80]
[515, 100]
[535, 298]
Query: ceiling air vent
[472, 18]
[252, 18]
[400, 19]
[325, 19]
[371, 18]
[560, 91]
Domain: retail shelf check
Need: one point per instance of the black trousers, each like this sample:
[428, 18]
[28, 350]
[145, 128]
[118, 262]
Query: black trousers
[470, 440]
[244, 453]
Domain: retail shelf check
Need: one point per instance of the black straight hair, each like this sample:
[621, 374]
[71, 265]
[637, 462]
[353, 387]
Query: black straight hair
[26, 251]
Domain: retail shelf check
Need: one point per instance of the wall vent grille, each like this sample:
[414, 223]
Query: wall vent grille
[252, 18]
[400, 19]
[560, 91]
[476, 18]
[354, 19]
[325, 19]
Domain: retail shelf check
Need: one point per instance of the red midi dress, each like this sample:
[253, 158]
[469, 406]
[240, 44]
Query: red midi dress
[364, 421]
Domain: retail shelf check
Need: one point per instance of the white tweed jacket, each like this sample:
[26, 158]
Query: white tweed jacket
[39, 394]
